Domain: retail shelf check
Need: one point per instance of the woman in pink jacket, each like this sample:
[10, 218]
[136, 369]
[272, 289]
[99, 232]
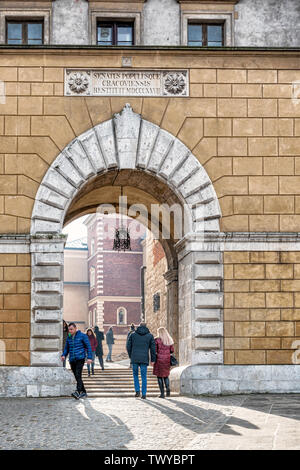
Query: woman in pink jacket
[164, 345]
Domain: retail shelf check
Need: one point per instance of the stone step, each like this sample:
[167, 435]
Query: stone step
[118, 390]
[124, 395]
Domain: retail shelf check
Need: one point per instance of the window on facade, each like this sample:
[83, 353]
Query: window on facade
[115, 33]
[92, 278]
[92, 247]
[24, 32]
[206, 34]
[156, 302]
[121, 317]
[95, 317]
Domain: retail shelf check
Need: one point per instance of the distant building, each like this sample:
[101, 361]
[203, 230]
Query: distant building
[76, 284]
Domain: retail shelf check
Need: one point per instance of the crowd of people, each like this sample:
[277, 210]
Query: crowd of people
[142, 349]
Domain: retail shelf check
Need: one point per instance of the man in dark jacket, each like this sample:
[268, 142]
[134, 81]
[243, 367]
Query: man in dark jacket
[138, 346]
[109, 341]
[76, 346]
[99, 350]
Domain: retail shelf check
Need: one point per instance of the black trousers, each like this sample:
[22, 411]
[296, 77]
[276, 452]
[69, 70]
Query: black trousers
[77, 367]
[101, 362]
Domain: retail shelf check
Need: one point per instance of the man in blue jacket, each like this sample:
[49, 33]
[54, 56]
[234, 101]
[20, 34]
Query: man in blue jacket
[141, 344]
[77, 345]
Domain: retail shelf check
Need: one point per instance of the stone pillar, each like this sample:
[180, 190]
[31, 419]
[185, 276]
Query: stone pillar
[171, 277]
[47, 260]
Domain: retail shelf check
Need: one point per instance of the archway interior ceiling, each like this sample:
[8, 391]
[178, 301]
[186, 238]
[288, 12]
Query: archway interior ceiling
[152, 165]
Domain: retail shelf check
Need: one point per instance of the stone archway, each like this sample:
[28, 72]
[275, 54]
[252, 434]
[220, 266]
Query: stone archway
[128, 142]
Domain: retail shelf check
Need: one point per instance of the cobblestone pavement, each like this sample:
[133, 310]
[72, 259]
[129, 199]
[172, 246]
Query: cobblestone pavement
[235, 422]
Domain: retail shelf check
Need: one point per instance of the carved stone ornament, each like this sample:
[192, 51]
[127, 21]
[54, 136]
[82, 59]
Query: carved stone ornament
[78, 82]
[125, 82]
[175, 83]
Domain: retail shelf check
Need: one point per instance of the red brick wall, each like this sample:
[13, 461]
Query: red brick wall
[122, 273]
[158, 253]
[133, 312]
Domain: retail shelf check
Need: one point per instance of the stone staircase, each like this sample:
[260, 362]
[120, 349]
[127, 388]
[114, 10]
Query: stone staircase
[117, 382]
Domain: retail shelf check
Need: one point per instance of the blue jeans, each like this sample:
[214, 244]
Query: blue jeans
[93, 363]
[108, 358]
[135, 370]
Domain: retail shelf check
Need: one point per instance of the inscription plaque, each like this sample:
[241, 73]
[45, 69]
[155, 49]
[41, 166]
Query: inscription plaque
[126, 83]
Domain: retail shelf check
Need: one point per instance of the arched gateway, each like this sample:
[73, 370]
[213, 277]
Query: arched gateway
[133, 152]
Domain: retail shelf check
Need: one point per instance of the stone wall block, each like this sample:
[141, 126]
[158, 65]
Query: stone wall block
[207, 343]
[44, 226]
[207, 314]
[50, 391]
[46, 330]
[209, 257]
[161, 148]
[43, 358]
[207, 357]
[207, 286]
[197, 181]
[51, 273]
[50, 301]
[105, 132]
[208, 271]
[189, 166]
[211, 210]
[46, 344]
[44, 211]
[48, 286]
[79, 159]
[51, 197]
[208, 329]
[42, 316]
[176, 156]
[148, 136]
[127, 127]
[48, 259]
[53, 180]
[91, 146]
[64, 166]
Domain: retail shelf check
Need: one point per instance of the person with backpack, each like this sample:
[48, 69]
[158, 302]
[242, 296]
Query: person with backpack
[139, 345]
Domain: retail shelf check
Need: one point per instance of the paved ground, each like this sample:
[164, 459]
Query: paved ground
[236, 422]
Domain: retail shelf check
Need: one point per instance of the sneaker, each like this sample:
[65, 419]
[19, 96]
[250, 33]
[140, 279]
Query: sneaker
[82, 395]
[75, 395]
[144, 397]
[168, 393]
[160, 396]
[137, 394]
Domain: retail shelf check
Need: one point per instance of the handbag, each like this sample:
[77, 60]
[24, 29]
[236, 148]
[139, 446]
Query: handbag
[173, 360]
